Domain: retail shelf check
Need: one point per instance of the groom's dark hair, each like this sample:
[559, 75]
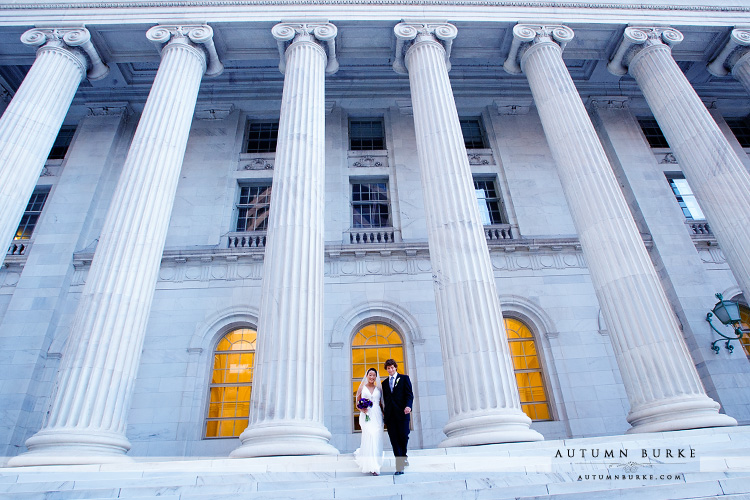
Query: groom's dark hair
[390, 362]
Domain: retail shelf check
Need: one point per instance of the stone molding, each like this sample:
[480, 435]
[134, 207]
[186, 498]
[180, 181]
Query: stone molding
[733, 50]
[637, 38]
[527, 35]
[322, 33]
[209, 111]
[409, 32]
[607, 102]
[199, 35]
[71, 38]
[513, 106]
[208, 331]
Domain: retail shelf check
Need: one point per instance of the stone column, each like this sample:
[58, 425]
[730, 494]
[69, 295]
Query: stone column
[31, 122]
[483, 402]
[714, 171]
[734, 57]
[286, 408]
[87, 418]
[661, 381]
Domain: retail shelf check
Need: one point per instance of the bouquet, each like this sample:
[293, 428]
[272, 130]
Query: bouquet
[363, 404]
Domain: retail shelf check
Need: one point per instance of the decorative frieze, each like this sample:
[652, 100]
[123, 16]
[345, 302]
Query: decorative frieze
[515, 106]
[367, 159]
[256, 161]
[210, 111]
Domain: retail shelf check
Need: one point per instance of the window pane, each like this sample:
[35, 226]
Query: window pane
[686, 199]
[653, 133]
[366, 135]
[741, 130]
[261, 137]
[31, 214]
[253, 208]
[473, 133]
[528, 370]
[370, 207]
[488, 202]
[62, 143]
[231, 384]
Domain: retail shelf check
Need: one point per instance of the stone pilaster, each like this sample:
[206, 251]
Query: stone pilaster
[482, 409]
[35, 114]
[286, 408]
[87, 418]
[734, 57]
[719, 180]
[660, 378]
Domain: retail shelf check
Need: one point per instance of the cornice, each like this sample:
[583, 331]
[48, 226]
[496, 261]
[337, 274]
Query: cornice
[493, 3]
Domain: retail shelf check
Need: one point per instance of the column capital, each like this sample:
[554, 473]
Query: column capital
[409, 32]
[198, 35]
[71, 38]
[737, 46]
[527, 35]
[321, 32]
[637, 38]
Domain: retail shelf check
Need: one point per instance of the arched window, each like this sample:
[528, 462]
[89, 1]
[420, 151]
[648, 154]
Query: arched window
[745, 325]
[231, 384]
[371, 347]
[528, 370]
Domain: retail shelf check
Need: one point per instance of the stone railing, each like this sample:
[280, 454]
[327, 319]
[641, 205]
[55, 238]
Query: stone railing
[699, 228]
[247, 239]
[371, 235]
[20, 247]
[498, 232]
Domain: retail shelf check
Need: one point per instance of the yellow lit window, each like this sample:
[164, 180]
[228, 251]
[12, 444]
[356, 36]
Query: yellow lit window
[745, 325]
[231, 384]
[528, 370]
[371, 347]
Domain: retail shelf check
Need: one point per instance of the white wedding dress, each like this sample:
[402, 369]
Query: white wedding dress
[369, 455]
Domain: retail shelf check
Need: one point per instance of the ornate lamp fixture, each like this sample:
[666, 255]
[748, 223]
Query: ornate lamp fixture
[728, 313]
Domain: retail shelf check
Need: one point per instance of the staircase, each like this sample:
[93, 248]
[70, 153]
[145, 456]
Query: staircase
[713, 464]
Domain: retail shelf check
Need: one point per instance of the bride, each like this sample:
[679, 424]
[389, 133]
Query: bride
[369, 455]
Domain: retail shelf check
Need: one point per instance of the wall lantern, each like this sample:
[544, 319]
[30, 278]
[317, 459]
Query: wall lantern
[728, 313]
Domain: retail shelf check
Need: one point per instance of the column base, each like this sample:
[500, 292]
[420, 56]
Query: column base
[509, 426]
[677, 414]
[73, 447]
[284, 438]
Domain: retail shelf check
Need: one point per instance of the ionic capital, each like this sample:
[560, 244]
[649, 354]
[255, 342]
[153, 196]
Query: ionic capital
[527, 35]
[322, 33]
[637, 38]
[72, 39]
[737, 46]
[408, 33]
[199, 36]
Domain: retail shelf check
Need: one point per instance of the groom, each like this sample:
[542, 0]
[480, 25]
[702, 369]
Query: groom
[397, 399]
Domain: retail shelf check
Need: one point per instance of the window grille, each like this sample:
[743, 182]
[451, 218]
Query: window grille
[366, 135]
[31, 214]
[685, 197]
[253, 208]
[473, 132]
[62, 143]
[653, 133]
[261, 137]
[370, 205]
[489, 202]
[741, 130]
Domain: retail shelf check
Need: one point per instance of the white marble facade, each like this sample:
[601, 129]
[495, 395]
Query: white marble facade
[622, 337]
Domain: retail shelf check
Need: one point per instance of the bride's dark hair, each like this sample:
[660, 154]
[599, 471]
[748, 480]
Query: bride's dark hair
[372, 370]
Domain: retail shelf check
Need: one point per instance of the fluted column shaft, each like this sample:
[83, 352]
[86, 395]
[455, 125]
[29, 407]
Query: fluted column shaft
[719, 179]
[482, 408]
[31, 122]
[87, 419]
[286, 408]
[661, 382]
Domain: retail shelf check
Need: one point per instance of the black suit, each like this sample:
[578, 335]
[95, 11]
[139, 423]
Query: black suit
[393, 413]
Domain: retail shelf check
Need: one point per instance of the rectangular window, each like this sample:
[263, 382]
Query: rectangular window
[370, 205]
[261, 137]
[653, 133]
[473, 131]
[32, 213]
[62, 143]
[685, 198]
[366, 134]
[489, 202]
[252, 208]
[741, 130]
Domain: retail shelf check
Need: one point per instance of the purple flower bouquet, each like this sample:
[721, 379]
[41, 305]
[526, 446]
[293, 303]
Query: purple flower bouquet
[364, 403]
